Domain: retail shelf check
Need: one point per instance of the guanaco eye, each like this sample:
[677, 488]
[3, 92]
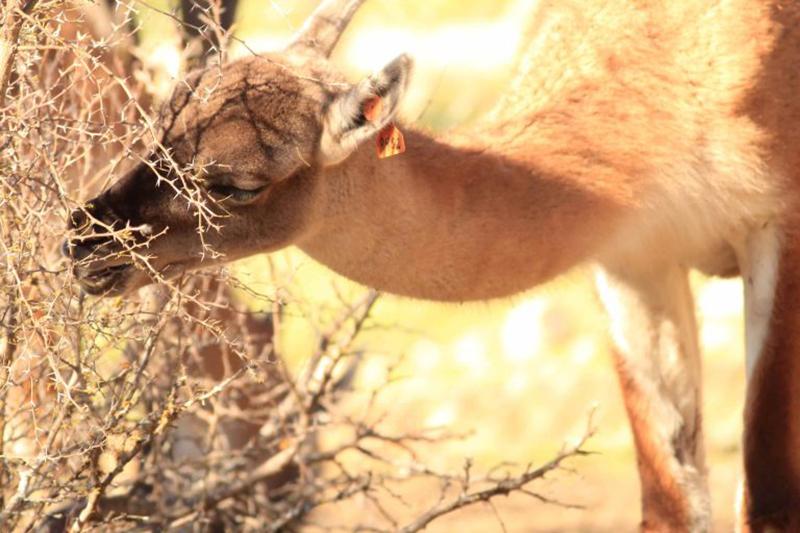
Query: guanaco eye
[234, 194]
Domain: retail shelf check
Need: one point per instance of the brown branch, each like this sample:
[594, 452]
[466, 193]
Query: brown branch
[499, 488]
[167, 416]
[223, 491]
[9, 40]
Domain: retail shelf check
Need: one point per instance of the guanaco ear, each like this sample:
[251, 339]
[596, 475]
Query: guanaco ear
[359, 113]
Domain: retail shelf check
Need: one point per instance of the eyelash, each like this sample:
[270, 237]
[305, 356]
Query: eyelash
[228, 192]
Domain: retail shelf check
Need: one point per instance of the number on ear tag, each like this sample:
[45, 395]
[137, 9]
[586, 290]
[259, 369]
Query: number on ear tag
[390, 142]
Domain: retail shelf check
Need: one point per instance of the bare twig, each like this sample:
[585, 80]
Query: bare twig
[499, 488]
[9, 40]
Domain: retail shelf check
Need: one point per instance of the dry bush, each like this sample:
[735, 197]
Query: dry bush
[174, 409]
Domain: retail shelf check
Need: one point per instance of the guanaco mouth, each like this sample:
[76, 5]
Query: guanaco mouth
[103, 280]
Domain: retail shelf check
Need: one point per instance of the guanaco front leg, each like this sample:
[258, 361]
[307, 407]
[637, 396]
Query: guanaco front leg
[770, 263]
[658, 364]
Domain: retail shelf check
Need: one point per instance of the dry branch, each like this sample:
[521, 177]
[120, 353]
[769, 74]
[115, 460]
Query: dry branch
[9, 40]
[502, 487]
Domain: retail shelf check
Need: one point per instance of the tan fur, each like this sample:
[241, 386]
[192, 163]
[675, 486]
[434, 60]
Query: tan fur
[657, 360]
[655, 135]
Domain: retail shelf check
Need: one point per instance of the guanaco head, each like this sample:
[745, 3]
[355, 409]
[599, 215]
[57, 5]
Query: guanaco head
[243, 148]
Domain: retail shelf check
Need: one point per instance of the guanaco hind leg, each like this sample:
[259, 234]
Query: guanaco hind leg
[657, 358]
[770, 263]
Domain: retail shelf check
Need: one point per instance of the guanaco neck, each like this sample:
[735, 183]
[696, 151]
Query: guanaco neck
[462, 218]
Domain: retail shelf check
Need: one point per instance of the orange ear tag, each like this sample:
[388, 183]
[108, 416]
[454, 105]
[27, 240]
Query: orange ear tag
[390, 142]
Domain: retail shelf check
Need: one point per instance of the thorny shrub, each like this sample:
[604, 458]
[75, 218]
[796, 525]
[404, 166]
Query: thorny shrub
[173, 409]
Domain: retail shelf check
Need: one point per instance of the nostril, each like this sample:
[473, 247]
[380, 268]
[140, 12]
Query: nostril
[78, 219]
[75, 251]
